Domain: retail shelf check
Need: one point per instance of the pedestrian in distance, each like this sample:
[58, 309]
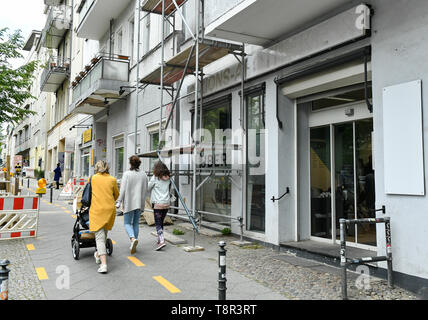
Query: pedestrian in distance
[133, 190]
[159, 186]
[102, 212]
[58, 175]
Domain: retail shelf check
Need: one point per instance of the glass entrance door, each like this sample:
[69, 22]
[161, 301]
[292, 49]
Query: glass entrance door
[352, 175]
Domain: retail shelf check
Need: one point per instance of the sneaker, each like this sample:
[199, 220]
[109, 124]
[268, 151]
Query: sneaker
[102, 268]
[133, 247]
[97, 259]
[160, 246]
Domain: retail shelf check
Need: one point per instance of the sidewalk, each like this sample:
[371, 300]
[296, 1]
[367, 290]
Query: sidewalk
[293, 277]
[270, 274]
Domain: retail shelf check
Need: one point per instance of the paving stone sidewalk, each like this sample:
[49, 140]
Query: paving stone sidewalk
[293, 277]
[23, 281]
[297, 278]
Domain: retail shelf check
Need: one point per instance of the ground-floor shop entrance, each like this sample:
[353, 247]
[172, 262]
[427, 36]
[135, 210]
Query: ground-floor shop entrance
[342, 181]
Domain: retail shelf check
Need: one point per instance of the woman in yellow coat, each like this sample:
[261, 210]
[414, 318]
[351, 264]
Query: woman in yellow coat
[102, 212]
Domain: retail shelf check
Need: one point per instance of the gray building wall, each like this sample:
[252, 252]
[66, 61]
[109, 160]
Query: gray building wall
[399, 44]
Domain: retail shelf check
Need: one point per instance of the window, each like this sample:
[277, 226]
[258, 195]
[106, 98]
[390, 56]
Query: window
[119, 43]
[118, 157]
[215, 195]
[84, 166]
[154, 143]
[255, 172]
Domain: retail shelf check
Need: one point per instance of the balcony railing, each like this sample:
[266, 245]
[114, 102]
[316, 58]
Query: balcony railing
[84, 7]
[57, 24]
[53, 2]
[104, 73]
[55, 73]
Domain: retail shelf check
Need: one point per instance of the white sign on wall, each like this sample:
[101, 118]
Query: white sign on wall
[403, 139]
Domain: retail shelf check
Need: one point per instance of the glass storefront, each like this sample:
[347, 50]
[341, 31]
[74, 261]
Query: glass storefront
[215, 195]
[84, 165]
[118, 157]
[320, 182]
[255, 173]
[353, 176]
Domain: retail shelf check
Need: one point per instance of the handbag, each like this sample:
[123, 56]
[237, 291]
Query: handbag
[87, 194]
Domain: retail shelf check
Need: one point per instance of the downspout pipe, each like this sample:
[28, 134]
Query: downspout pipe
[366, 86]
[280, 125]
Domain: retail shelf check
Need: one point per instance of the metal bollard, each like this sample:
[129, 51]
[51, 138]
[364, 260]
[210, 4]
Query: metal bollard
[343, 258]
[4, 278]
[28, 182]
[389, 252]
[222, 271]
[51, 195]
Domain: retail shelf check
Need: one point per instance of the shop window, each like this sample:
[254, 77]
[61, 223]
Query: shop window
[154, 143]
[118, 157]
[255, 173]
[215, 195]
[85, 160]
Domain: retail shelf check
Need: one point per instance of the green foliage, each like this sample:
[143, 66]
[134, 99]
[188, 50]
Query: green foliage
[38, 174]
[14, 83]
[177, 232]
[226, 231]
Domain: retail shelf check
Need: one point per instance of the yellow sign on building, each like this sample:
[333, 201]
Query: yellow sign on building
[87, 135]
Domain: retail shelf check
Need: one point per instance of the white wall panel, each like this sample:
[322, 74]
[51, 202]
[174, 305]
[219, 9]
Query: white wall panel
[403, 143]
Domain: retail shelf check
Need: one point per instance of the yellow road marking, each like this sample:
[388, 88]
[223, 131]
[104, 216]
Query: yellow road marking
[137, 262]
[168, 285]
[63, 208]
[112, 241]
[30, 247]
[67, 211]
[41, 273]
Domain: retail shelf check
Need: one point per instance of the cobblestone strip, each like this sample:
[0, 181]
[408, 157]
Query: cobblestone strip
[23, 281]
[303, 283]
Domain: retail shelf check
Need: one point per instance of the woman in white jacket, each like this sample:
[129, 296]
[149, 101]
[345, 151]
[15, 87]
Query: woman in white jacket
[133, 189]
[159, 186]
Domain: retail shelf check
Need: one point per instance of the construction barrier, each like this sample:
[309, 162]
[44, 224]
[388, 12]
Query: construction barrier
[19, 217]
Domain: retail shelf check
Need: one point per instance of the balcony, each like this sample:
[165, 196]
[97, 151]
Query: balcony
[95, 16]
[57, 24]
[53, 2]
[98, 86]
[55, 73]
[273, 18]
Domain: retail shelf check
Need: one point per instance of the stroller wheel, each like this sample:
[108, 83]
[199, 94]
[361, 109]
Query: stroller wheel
[75, 249]
[109, 247]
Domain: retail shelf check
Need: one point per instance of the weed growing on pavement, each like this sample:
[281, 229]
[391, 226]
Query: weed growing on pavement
[177, 232]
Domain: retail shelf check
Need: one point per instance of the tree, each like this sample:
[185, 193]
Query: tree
[14, 83]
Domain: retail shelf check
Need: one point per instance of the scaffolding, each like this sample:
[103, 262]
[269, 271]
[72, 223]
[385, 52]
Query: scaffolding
[169, 77]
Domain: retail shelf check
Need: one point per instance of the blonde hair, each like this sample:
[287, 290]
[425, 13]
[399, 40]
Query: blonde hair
[101, 167]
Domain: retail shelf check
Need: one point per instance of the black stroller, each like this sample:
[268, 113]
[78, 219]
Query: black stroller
[82, 237]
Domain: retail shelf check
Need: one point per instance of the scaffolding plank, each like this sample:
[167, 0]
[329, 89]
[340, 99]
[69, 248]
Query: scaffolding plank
[188, 149]
[155, 6]
[174, 68]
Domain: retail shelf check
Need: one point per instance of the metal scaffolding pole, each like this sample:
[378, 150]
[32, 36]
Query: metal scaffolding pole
[175, 70]
[196, 137]
[162, 68]
[138, 75]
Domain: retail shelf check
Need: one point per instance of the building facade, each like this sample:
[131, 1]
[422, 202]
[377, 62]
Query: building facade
[326, 113]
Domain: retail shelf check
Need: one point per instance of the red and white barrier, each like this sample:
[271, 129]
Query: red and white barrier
[19, 217]
[79, 181]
